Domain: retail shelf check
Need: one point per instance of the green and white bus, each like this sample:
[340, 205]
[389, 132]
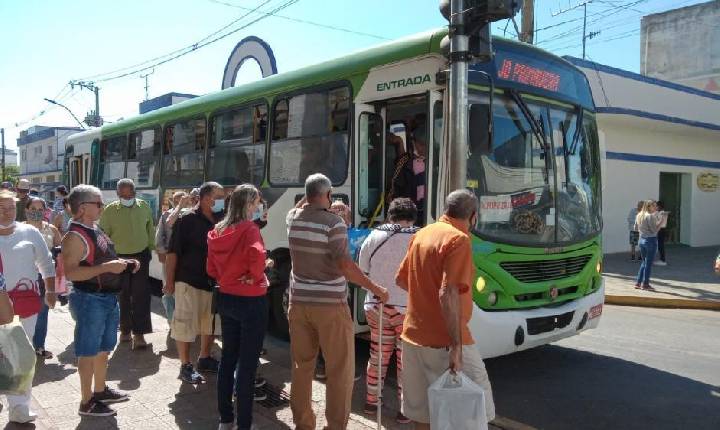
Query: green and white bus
[533, 161]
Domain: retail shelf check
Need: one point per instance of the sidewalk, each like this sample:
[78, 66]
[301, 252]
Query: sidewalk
[159, 400]
[688, 281]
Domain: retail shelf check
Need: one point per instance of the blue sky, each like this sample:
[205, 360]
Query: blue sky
[44, 44]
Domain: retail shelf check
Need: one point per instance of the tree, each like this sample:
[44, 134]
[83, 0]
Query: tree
[12, 173]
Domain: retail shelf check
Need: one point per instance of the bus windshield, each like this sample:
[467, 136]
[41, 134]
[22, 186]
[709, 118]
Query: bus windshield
[536, 187]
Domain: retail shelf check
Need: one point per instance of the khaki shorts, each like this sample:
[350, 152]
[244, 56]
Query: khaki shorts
[422, 366]
[193, 313]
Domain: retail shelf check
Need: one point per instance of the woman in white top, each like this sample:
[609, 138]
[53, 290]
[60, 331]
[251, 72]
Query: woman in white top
[380, 257]
[34, 210]
[648, 222]
[23, 253]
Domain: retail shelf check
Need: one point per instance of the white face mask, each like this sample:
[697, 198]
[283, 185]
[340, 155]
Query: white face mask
[127, 202]
[5, 227]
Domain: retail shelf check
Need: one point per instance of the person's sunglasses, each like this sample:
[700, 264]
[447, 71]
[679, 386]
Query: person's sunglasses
[99, 205]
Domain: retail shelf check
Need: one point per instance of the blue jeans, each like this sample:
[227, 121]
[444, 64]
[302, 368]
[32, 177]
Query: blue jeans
[243, 321]
[648, 248]
[41, 325]
[97, 318]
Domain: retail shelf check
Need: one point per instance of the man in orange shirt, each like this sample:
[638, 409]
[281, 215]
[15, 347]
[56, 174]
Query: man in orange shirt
[438, 273]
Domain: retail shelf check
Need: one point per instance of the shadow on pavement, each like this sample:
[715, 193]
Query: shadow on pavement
[128, 367]
[581, 390]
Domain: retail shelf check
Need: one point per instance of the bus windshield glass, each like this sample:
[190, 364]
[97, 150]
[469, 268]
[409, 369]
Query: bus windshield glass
[536, 187]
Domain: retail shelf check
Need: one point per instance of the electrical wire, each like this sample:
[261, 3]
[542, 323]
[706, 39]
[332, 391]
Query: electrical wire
[162, 59]
[304, 21]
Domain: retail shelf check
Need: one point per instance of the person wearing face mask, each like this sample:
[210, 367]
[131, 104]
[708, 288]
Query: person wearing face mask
[129, 223]
[318, 315]
[187, 278]
[438, 274]
[237, 260]
[34, 211]
[23, 253]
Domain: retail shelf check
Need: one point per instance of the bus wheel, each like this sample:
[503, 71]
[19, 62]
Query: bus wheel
[279, 301]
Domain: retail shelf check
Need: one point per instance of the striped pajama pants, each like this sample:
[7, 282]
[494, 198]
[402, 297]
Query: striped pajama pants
[390, 342]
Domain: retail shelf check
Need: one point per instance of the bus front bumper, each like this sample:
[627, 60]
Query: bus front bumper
[504, 332]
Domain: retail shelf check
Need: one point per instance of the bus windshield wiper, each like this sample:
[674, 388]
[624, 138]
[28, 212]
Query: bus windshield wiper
[578, 131]
[537, 128]
[535, 125]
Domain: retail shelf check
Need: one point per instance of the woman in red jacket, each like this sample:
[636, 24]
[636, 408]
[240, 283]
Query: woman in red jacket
[236, 260]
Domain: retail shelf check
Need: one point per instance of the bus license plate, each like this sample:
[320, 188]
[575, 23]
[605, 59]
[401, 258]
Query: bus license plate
[596, 311]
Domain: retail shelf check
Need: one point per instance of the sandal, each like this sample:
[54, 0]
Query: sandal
[44, 353]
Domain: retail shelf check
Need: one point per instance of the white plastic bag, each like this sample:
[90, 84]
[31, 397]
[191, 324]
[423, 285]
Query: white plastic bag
[17, 359]
[456, 403]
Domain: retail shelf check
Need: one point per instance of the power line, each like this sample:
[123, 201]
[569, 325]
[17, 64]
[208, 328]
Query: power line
[303, 21]
[207, 40]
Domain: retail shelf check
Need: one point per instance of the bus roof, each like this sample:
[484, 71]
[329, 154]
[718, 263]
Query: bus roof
[353, 67]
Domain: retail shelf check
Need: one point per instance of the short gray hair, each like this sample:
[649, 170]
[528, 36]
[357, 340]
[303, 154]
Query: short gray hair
[316, 185]
[461, 204]
[125, 182]
[80, 194]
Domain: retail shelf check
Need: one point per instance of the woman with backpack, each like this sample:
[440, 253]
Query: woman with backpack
[380, 257]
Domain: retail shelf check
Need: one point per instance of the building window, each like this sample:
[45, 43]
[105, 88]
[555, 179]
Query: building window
[38, 150]
[310, 135]
[23, 155]
[237, 146]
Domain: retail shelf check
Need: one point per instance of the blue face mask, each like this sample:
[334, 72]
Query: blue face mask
[218, 206]
[258, 213]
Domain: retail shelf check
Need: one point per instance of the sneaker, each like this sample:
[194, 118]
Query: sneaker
[208, 364]
[93, 408]
[110, 395]
[21, 414]
[190, 375]
[260, 381]
[259, 395]
[370, 408]
[648, 288]
[320, 372]
[402, 419]
[661, 263]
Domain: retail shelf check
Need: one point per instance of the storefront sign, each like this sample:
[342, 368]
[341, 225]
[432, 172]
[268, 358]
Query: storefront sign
[708, 182]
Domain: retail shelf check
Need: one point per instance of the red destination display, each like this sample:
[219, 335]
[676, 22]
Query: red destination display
[528, 75]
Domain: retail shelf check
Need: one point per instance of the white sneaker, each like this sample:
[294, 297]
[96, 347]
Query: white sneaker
[660, 263]
[22, 414]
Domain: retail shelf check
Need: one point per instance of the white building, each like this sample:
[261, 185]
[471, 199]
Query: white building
[11, 157]
[41, 155]
[660, 140]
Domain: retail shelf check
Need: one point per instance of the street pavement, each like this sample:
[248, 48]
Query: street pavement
[688, 281]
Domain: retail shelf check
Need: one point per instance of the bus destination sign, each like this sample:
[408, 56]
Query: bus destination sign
[512, 70]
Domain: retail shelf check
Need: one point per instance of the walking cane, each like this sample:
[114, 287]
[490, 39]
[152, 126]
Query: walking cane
[380, 378]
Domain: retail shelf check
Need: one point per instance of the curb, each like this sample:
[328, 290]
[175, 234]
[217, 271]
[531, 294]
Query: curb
[656, 302]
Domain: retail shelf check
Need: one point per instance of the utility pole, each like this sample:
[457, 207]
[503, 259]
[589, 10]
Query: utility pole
[2, 161]
[93, 119]
[147, 85]
[527, 25]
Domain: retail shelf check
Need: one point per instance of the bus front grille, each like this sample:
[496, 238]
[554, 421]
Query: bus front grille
[545, 270]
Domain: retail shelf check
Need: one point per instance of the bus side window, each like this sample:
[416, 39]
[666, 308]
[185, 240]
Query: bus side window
[310, 135]
[237, 146]
[185, 153]
[112, 164]
[143, 157]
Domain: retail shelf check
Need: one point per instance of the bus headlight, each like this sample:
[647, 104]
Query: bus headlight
[599, 266]
[492, 298]
[480, 284]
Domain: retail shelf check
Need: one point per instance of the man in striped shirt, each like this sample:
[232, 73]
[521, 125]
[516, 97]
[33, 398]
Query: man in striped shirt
[319, 315]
